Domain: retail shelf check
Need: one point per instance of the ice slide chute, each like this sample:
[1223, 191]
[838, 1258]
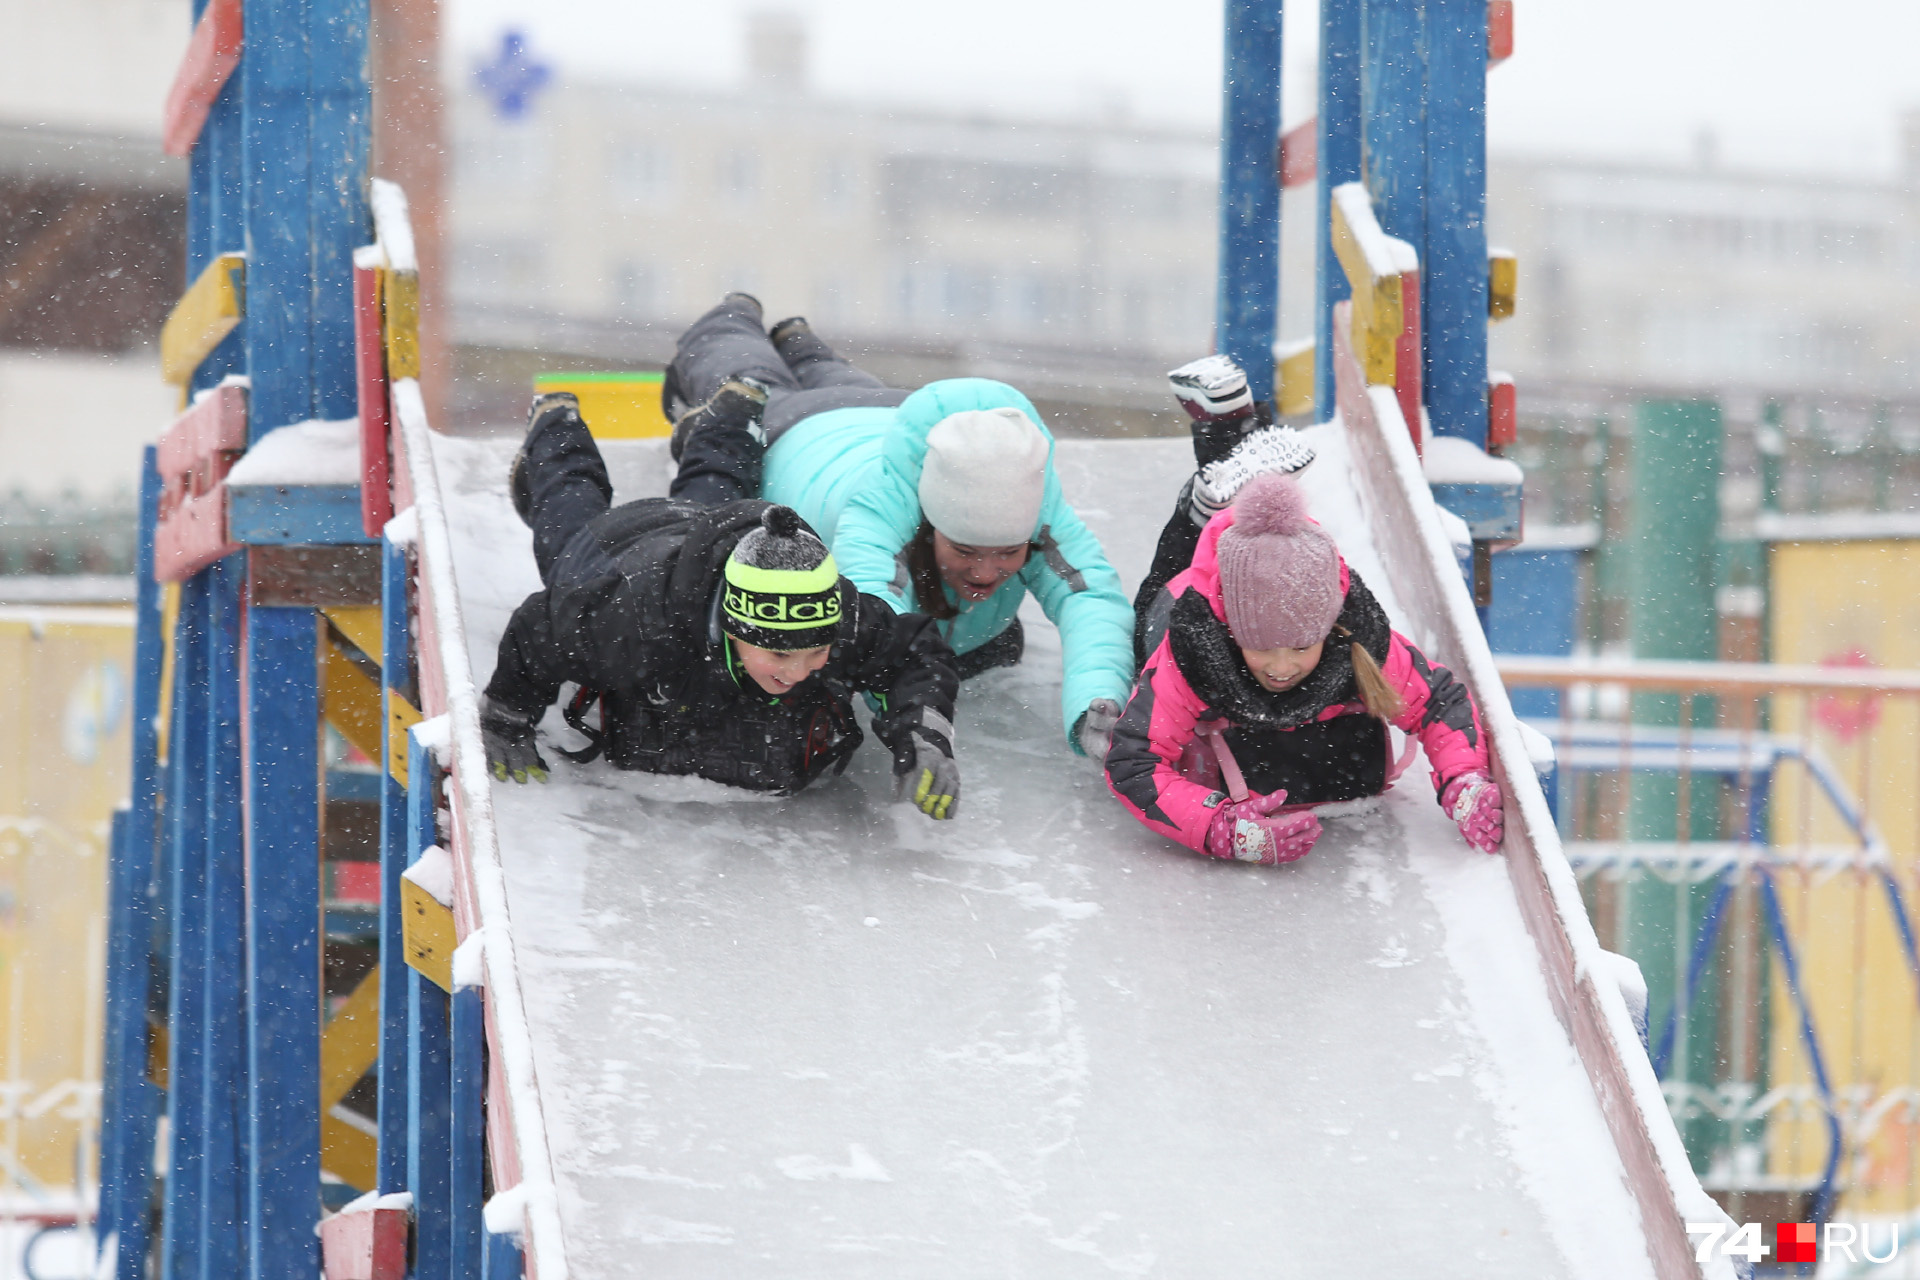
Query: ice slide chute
[824, 1036]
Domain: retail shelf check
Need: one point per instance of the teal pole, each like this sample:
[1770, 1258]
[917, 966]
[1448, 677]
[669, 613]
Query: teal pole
[1670, 577]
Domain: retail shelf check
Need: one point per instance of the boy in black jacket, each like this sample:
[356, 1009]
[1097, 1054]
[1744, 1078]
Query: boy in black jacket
[715, 629]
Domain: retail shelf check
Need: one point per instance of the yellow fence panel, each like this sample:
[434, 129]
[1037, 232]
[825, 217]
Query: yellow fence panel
[65, 690]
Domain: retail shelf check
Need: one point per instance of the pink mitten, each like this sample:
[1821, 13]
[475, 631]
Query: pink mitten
[1250, 831]
[1473, 801]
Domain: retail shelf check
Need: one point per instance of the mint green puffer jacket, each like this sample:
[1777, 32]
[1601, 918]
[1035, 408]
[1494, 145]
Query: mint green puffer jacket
[854, 474]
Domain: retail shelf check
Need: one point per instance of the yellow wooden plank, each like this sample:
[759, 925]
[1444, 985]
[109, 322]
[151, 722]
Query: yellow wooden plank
[613, 408]
[360, 623]
[427, 926]
[351, 702]
[1295, 375]
[169, 624]
[348, 1153]
[400, 294]
[206, 313]
[350, 1042]
[1377, 314]
[1503, 283]
[401, 716]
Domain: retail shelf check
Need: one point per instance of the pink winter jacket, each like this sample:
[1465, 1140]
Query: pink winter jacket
[1316, 740]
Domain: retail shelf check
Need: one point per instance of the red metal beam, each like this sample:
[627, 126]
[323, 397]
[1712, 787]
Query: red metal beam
[1503, 415]
[1406, 360]
[1300, 154]
[211, 57]
[370, 378]
[366, 1244]
[193, 457]
[1499, 31]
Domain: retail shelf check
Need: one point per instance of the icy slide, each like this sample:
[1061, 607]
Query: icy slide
[828, 1037]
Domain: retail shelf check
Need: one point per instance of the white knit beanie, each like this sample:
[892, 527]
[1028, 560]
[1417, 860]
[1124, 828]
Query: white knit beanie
[985, 476]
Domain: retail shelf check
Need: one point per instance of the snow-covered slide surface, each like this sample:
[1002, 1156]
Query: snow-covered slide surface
[827, 1037]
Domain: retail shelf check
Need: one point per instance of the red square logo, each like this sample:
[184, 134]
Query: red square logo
[1795, 1242]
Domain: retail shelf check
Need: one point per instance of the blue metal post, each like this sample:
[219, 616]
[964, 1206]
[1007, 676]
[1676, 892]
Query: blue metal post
[1338, 162]
[1453, 258]
[275, 91]
[341, 104]
[224, 1034]
[500, 1258]
[119, 992]
[1248, 308]
[283, 942]
[186, 986]
[1393, 86]
[132, 1103]
[214, 224]
[429, 1076]
[429, 1064]
[202, 181]
[394, 844]
[468, 1138]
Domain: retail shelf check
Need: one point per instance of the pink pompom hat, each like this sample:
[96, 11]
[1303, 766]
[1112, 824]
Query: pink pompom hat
[1279, 570]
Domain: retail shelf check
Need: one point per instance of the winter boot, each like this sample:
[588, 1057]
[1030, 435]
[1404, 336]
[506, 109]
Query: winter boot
[554, 406]
[1213, 391]
[1276, 449]
[797, 343]
[738, 403]
[736, 298]
[674, 400]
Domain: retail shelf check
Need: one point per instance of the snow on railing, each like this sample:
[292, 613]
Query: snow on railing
[1420, 561]
[516, 1124]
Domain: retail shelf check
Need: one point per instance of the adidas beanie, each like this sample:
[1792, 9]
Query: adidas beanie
[782, 588]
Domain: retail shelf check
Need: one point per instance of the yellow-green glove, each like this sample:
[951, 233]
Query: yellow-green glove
[924, 771]
[508, 735]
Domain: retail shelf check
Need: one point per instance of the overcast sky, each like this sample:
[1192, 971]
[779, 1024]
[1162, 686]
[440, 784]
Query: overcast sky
[1779, 85]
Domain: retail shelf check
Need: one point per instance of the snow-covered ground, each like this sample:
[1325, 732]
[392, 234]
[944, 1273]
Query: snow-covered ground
[827, 1037]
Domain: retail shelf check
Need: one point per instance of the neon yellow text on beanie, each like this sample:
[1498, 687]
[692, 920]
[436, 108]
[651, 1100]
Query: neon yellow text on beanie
[782, 587]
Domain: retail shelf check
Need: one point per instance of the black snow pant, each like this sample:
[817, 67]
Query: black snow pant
[806, 378]
[1211, 443]
[567, 481]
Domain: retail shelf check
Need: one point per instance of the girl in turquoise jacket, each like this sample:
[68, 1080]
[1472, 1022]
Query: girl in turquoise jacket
[944, 501]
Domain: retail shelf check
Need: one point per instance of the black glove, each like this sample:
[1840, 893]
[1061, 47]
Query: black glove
[924, 770]
[509, 738]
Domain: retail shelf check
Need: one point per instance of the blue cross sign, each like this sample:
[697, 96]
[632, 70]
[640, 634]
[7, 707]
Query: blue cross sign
[512, 77]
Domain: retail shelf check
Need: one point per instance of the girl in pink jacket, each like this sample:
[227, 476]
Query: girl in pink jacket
[1270, 692]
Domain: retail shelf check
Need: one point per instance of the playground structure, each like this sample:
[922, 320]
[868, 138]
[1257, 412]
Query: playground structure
[1786, 1003]
[311, 617]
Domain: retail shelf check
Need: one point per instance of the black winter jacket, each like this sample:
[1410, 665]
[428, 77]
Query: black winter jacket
[633, 613]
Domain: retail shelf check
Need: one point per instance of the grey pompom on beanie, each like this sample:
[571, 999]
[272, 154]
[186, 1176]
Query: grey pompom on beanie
[1279, 571]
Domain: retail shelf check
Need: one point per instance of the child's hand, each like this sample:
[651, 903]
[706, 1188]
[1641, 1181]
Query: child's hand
[1249, 831]
[1474, 802]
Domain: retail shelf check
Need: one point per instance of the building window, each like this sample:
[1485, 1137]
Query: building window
[640, 170]
[838, 184]
[495, 153]
[833, 300]
[639, 289]
[497, 270]
[739, 177]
